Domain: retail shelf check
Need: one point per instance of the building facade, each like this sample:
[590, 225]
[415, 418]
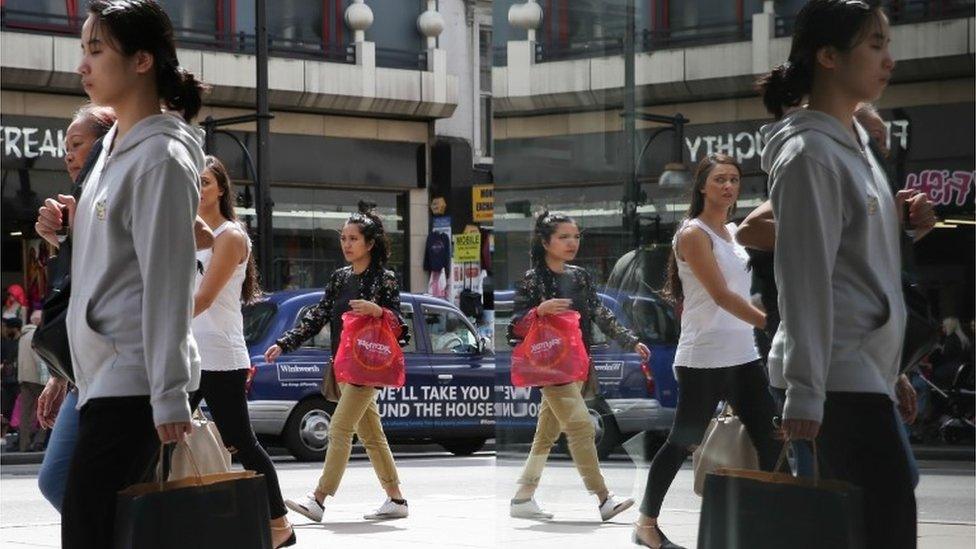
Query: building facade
[561, 92]
[357, 89]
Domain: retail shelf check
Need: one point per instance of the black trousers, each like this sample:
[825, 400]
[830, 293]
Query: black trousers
[117, 447]
[859, 442]
[745, 388]
[227, 400]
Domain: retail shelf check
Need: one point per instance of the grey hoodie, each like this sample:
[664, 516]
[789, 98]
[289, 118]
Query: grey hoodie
[132, 268]
[837, 264]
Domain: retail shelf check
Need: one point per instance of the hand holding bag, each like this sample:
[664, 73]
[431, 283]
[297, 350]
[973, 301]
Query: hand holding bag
[726, 445]
[203, 454]
[369, 351]
[763, 510]
[552, 352]
[200, 511]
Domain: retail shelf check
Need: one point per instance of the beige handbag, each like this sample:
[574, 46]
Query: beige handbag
[726, 445]
[208, 449]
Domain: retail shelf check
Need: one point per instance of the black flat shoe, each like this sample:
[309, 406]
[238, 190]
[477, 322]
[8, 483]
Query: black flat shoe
[665, 542]
[292, 539]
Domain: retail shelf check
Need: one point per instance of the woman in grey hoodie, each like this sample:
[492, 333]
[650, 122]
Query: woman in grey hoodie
[133, 264]
[837, 260]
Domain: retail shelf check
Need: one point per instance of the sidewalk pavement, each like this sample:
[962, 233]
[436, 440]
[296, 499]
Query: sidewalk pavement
[460, 503]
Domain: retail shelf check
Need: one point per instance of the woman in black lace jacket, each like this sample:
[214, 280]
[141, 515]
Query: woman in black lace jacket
[365, 287]
[553, 286]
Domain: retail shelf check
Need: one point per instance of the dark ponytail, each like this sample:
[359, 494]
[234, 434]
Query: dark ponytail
[545, 227]
[180, 90]
[373, 231]
[840, 24]
[142, 25]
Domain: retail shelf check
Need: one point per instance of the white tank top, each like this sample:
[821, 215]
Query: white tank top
[219, 330]
[712, 337]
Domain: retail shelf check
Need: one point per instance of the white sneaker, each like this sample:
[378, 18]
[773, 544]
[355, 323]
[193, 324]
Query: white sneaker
[389, 510]
[613, 506]
[307, 507]
[528, 510]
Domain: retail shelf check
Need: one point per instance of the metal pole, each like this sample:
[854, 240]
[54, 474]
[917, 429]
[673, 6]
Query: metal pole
[677, 153]
[631, 185]
[264, 204]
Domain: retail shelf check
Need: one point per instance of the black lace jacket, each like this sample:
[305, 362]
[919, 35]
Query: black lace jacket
[377, 285]
[541, 284]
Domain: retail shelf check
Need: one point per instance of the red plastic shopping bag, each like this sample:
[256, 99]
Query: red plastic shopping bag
[369, 351]
[551, 353]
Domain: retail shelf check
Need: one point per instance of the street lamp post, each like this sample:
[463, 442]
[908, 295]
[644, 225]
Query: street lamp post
[674, 173]
[262, 182]
[260, 170]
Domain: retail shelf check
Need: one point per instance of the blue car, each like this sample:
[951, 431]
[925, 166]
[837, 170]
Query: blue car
[447, 398]
[633, 398]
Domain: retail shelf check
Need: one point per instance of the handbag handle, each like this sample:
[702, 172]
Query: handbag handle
[727, 410]
[816, 460]
[162, 457]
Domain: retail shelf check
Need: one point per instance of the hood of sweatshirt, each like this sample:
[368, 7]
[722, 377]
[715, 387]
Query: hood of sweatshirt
[168, 124]
[776, 134]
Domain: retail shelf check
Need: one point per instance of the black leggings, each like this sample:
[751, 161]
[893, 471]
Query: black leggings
[745, 388]
[227, 400]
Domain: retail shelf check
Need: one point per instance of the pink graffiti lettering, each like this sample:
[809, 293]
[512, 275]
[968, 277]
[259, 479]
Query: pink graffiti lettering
[942, 186]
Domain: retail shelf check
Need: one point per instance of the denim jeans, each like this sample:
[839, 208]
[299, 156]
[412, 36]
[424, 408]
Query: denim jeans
[53, 475]
[802, 452]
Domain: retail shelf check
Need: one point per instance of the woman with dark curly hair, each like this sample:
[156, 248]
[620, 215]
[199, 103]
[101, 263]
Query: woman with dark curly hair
[365, 287]
[553, 286]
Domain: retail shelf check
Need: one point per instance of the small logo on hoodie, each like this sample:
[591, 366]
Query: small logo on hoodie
[872, 205]
[100, 209]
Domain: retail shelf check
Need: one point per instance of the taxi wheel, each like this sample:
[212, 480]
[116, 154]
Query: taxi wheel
[607, 433]
[306, 432]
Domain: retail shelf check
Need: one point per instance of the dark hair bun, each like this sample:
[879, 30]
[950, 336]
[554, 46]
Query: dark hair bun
[367, 208]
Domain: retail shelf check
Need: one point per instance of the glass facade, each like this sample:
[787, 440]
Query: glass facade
[307, 223]
[563, 141]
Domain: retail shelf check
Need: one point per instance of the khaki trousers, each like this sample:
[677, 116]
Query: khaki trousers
[358, 414]
[564, 410]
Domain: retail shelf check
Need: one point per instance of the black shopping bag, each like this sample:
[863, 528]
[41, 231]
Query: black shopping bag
[761, 510]
[204, 511]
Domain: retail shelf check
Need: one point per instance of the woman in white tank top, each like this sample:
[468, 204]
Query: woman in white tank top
[716, 360]
[226, 277]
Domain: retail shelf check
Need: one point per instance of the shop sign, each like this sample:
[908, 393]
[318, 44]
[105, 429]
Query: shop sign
[482, 203]
[943, 187]
[748, 144]
[35, 142]
[467, 248]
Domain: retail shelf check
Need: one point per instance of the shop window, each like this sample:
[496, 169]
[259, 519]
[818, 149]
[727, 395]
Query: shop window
[399, 44]
[307, 223]
[298, 27]
[57, 16]
[194, 21]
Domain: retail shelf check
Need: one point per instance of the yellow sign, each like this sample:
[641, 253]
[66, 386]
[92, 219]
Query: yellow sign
[483, 203]
[467, 248]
